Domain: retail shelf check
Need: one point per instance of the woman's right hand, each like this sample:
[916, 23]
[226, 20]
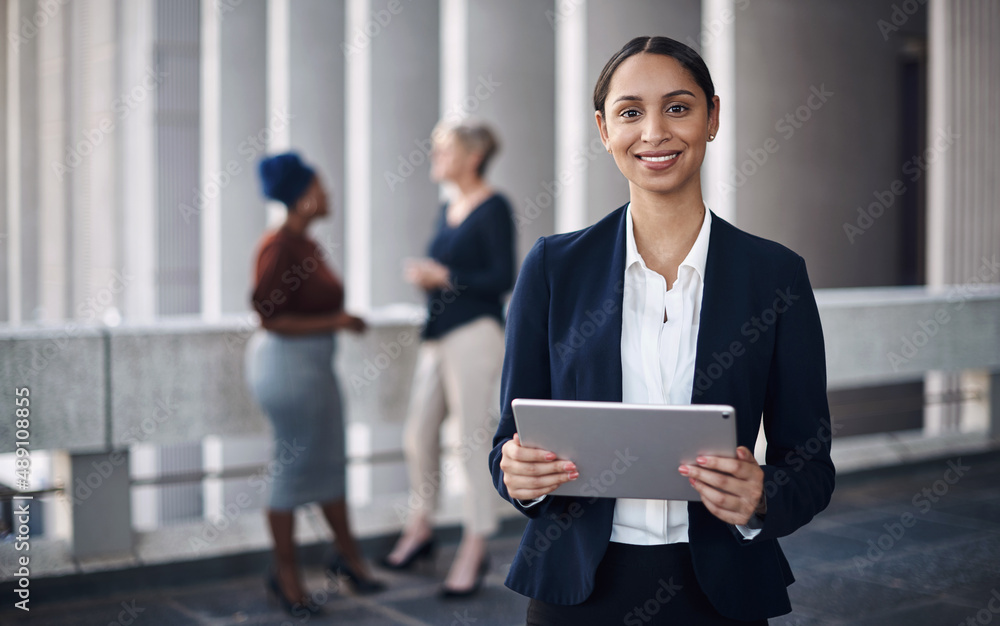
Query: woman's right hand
[346, 321]
[530, 473]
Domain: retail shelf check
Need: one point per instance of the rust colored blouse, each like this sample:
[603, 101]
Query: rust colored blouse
[292, 277]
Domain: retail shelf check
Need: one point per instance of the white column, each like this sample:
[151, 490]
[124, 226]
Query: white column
[235, 131]
[501, 83]
[22, 162]
[963, 227]
[575, 128]
[939, 110]
[608, 28]
[138, 163]
[5, 120]
[53, 218]
[177, 72]
[718, 39]
[400, 41]
[357, 52]
[92, 157]
[454, 56]
[303, 43]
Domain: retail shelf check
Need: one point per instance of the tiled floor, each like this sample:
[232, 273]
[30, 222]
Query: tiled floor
[883, 553]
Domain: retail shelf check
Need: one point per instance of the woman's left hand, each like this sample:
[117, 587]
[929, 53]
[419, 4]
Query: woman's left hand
[731, 489]
[427, 274]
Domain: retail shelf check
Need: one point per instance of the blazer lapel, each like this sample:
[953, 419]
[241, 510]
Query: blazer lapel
[602, 309]
[717, 328]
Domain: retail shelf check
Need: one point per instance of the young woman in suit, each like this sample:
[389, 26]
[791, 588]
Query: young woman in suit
[663, 302]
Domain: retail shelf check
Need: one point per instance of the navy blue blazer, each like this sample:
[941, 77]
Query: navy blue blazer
[760, 349]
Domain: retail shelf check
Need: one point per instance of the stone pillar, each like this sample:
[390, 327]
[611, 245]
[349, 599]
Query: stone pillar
[306, 78]
[392, 55]
[91, 157]
[588, 33]
[963, 232]
[138, 163]
[22, 162]
[995, 405]
[54, 173]
[6, 57]
[235, 131]
[101, 504]
[718, 49]
[962, 188]
[576, 149]
[501, 83]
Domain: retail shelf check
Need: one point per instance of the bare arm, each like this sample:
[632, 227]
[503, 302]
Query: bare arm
[294, 324]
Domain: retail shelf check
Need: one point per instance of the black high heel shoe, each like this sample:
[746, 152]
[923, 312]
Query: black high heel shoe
[424, 551]
[362, 586]
[455, 594]
[291, 607]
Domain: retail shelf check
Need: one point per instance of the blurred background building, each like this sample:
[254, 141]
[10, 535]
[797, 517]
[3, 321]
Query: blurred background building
[860, 133]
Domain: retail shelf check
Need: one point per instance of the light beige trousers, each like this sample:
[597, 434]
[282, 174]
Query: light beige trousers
[458, 375]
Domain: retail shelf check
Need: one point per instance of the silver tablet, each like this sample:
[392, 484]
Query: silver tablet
[627, 450]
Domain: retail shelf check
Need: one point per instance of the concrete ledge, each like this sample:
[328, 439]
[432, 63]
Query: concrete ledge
[182, 379]
[64, 369]
[376, 523]
[876, 336]
[865, 452]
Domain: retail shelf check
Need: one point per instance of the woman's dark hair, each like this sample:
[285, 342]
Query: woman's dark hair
[683, 54]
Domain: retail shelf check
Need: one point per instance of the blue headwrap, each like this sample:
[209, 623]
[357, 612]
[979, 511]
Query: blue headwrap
[284, 177]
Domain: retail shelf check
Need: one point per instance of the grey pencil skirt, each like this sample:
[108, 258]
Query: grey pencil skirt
[293, 381]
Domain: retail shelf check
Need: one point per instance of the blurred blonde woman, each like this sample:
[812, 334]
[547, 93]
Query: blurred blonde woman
[469, 269]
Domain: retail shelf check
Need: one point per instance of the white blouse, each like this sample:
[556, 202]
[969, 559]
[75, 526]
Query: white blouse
[658, 367]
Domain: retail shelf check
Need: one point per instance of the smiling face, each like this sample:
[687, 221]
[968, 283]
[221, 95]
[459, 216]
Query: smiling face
[656, 122]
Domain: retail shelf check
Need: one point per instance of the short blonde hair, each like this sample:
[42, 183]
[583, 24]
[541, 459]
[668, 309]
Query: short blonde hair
[474, 135]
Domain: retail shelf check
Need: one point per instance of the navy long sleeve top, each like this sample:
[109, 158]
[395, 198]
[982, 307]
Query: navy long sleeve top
[479, 254]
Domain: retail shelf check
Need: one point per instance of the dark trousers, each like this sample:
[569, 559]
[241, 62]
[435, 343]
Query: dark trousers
[639, 586]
